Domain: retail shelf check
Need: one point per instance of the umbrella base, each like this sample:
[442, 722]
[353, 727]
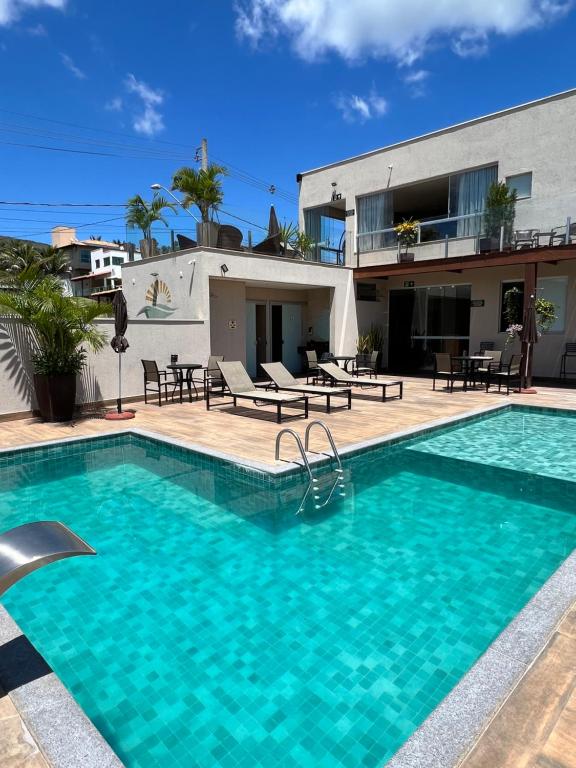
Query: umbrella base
[528, 391]
[122, 416]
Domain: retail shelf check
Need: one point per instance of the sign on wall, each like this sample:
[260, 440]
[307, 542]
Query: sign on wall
[158, 301]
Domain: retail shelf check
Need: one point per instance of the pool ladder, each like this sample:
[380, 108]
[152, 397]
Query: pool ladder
[304, 450]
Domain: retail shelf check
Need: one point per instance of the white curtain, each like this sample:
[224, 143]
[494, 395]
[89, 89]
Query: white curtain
[375, 212]
[468, 193]
[419, 313]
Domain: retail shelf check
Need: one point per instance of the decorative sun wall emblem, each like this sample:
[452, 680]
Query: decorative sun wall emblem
[158, 300]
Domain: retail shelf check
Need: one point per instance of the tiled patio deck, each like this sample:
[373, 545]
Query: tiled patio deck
[249, 432]
[534, 729]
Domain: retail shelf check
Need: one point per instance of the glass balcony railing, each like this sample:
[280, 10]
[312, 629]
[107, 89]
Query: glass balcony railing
[492, 230]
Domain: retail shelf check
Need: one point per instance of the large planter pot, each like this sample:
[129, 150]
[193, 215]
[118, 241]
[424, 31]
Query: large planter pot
[488, 244]
[56, 396]
[148, 248]
[405, 257]
[207, 233]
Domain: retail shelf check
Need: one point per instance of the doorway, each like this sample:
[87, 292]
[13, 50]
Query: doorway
[273, 334]
[426, 320]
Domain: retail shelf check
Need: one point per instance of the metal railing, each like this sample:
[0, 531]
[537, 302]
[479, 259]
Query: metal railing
[486, 236]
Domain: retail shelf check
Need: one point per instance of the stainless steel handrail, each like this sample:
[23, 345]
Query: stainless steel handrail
[296, 437]
[321, 424]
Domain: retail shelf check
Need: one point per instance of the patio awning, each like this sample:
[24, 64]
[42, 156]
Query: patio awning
[474, 261]
[92, 275]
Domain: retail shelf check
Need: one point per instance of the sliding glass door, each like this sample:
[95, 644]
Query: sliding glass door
[427, 320]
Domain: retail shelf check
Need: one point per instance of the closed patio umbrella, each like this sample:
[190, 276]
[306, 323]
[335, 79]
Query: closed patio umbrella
[120, 344]
[529, 337]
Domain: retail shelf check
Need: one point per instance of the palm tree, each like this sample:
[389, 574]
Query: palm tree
[59, 325]
[54, 261]
[141, 215]
[202, 188]
[17, 256]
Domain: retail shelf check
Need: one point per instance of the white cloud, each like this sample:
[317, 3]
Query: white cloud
[11, 10]
[416, 80]
[397, 29]
[470, 44]
[38, 30]
[359, 109]
[114, 105]
[71, 67]
[148, 121]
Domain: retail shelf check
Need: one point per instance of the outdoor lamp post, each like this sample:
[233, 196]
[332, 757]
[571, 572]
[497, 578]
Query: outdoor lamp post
[156, 187]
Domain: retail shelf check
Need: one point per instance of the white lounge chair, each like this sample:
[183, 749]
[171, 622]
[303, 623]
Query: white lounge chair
[339, 376]
[283, 379]
[242, 387]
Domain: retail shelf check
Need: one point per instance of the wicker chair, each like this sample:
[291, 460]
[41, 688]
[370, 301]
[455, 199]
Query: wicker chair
[508, 372]
[451, 370]
[157, 381]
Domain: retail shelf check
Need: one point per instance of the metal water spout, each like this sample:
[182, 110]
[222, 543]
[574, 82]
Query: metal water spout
[28, 547]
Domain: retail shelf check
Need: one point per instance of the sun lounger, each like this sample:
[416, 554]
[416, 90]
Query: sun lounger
[340, 376]
[283, 379]
[242, 387]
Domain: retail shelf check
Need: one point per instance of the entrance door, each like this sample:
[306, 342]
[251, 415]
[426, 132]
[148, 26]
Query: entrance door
[426, 320]
[256, 336]
[292, 335]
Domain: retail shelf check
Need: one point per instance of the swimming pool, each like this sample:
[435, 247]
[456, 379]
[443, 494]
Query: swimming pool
[218, 627]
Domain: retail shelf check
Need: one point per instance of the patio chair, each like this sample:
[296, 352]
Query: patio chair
[157, 381]
[569, 351]
[242, 387]
[491, 365]
[338, 375]
[211, 374]
[486, 346]
[312, 365]
[508, 372]
[525, 238]
[363, 366]
[445, 367]
[283, 379]
[558, 235]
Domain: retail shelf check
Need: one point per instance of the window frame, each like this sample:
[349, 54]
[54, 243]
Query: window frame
[517, 176]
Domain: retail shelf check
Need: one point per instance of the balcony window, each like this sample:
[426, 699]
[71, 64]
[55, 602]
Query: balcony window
[522, 183]
[107, 261]
[326, 226]
[117, 261]
[375, 214]
[85, 257]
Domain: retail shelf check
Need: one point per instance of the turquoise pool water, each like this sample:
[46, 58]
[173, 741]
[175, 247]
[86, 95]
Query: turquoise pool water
[218, 628]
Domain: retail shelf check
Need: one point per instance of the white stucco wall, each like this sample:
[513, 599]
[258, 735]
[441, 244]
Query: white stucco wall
[485, 321]
[201, 302]
[537, 138]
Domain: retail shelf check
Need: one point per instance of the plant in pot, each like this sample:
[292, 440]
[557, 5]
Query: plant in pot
[202, 188]
[368, 343]
[407, 233]
[499, 214]
[60, 328]
[142, 215]
[544, 309]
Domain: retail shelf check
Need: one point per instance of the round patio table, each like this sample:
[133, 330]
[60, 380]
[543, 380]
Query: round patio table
[345, 359]
[472, 363]
[180, 368]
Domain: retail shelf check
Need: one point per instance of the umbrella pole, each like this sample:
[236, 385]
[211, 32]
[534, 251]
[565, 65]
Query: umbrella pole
[119, 401]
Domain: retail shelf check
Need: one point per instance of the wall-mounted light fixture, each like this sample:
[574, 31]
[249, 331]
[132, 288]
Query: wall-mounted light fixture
[154, 274]
[133, 281]
[223, 269]
[335, 195]
[181, 274]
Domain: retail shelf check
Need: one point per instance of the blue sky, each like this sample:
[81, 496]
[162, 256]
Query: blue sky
[277, 86]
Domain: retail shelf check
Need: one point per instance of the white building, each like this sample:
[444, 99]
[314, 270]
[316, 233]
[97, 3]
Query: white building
[105, 275]
[447, 293]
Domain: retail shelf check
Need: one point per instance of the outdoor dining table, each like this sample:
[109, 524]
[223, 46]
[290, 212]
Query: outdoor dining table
[345, 359]
[471, 363]
[188, 368]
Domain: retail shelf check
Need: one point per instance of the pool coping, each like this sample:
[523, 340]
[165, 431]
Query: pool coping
[68, 738]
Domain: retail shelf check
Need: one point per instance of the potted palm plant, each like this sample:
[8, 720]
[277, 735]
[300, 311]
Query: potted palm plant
[407, 233]
[202, 188]
[60, 328]
[142, 215]
[499, 216]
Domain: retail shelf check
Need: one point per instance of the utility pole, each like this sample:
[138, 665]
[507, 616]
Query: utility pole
[204, 154]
